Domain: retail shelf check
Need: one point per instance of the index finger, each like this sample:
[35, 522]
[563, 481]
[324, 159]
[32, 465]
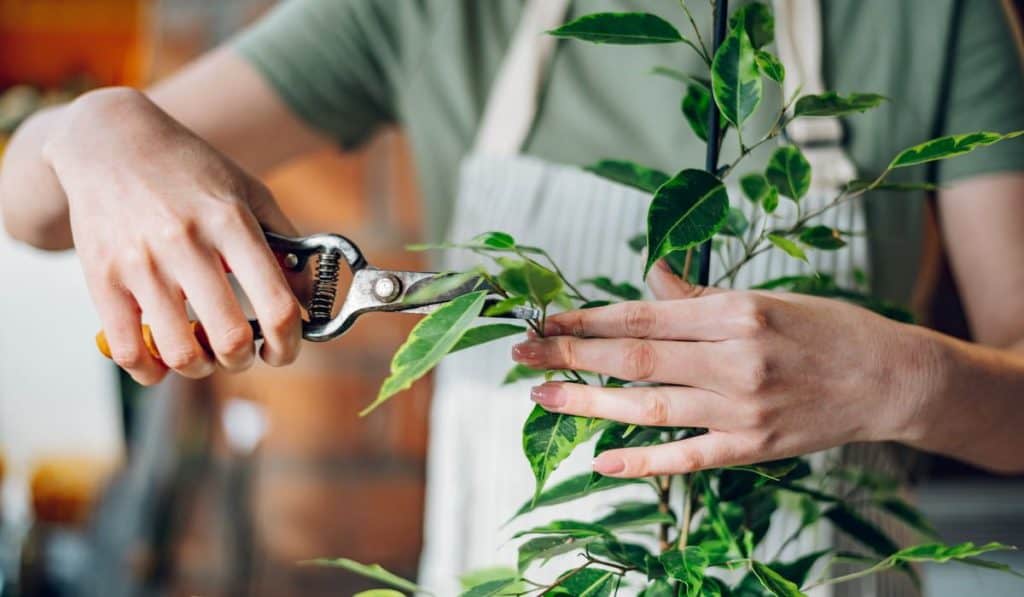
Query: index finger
[703, 319]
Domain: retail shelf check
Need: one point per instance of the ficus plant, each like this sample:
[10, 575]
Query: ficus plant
[709, 545]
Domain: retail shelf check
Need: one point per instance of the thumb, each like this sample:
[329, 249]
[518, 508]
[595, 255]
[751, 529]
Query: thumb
[666, 285]
[270, 217]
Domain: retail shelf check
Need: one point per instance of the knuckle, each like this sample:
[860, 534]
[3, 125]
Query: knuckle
[567, 351]
[182, 357]
[136, 259]
[640, 360]
[765, 441]
[227, 212]
[235, 340]
[640, 319]
[759, 415]
[179, 231]
[639, 465]
[283, 314]
[758, 372]
[657, 409]
[128, 357]
[690, 460]
[751, 312]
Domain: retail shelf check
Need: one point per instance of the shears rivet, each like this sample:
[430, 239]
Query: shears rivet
[387, 288]
[291, 260]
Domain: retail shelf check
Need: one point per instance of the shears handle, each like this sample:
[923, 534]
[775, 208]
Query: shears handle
[147, 337]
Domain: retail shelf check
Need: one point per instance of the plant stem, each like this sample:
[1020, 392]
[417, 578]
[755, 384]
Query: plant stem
[664, 506]
[721, 12]
[696, 30]
[688, 501]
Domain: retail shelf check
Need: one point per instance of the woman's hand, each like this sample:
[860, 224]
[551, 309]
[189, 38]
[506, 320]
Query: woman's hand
[770, 375]
[156, 214]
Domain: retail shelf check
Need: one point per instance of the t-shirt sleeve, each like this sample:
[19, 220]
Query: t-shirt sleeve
[333, 62]
[986, 87]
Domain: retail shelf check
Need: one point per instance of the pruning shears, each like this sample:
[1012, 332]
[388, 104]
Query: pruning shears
[372, 290]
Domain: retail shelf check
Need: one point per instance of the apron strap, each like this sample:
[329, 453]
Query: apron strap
[798, 25]
[512, 104]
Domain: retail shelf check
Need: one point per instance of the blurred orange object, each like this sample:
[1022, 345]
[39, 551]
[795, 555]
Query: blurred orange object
[64, 489]
[46, 43]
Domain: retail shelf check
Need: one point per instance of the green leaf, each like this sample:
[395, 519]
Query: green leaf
[947, 147]
[822, 237]
[758, 21]
[495, 240]
[590, 582]
[937, 552]
[833, 104]
[638, 243]
[734, 78]
[630, 174]
[629, 554]
[622, 290]
[486, 333]
[755, 187]
[519, 372]
[774, 582]
[686, 211]
[549, 438]
[574, 488]
[634, 514]
[687, 566]
[789, 172]
[735, 224]
[796, 571]
[908, 514]
[569, 528]
[505, 305]
[770, 66]
[481, 575]
[380, 593]
[696, 108]
[628, 28]
[432, 338]
[542, 549]
[859, 528]
[371, 571]
[680, 76]
[492, 588]
[659, 588]
[789, 247]
[527, 278]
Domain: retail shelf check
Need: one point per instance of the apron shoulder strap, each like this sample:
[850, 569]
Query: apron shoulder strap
[798, 34]
[512, 104]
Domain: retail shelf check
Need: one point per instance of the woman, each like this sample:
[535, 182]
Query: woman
[172, 169]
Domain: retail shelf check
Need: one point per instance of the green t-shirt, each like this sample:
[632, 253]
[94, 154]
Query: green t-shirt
[347, 67]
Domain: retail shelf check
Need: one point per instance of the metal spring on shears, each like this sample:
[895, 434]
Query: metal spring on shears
[325, 286]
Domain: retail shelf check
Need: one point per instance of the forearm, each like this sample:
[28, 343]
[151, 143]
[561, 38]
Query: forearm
[33, 204]
[975, 411]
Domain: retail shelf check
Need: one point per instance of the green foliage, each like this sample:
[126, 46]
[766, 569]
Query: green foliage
[788, 247]
[630, 174]
[770, 66]
[432, 338]
[757, 20]
[789, 172]
[628, 28]
[549, 438]
[686, 211]
[696, 108]
[727, 512]
[486, 333]
[833, 104]
[947, 147]
[735, 79]
[372, 571]
[822, 237]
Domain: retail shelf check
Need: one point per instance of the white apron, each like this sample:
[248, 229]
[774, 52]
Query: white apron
[477, 475]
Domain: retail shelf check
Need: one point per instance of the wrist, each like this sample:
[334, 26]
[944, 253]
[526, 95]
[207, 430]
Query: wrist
[92, 115]
[923, 375]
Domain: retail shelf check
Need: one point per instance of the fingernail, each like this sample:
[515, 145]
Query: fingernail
[550, 396]
[526, 352]
[609, 464]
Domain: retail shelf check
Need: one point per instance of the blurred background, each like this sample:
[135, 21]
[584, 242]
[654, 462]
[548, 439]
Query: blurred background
[221, 487]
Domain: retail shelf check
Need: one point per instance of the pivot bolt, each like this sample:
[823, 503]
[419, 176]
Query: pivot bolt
[387, 288]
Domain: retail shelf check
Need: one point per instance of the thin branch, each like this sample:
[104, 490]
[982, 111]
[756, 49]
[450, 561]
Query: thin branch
[705, 54]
